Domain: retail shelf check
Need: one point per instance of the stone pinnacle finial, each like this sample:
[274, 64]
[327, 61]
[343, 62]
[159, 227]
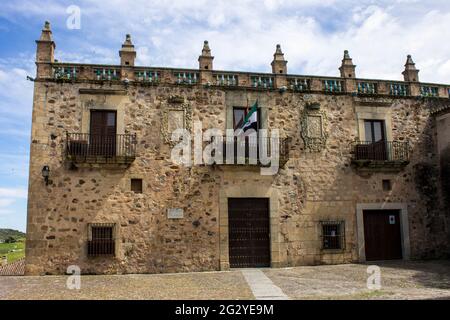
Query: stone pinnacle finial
[45, 52]
[278, 49]
[278, 55]
[127, 53]
[279, 65]
[127, 42]
[409, 60]
[347, 68]
[206, 51]
[346, 54]
[46, 34]
[410, 74]
[205, 60]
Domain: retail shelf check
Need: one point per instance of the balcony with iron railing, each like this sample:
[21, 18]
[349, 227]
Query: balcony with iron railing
[85, 148]
[380, 155]
[246, 150]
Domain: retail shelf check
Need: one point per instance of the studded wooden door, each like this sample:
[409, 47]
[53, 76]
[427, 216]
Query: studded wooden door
[249, 232]
[382, 235]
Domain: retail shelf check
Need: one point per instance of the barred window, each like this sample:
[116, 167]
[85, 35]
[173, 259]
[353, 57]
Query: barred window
[333, 234]
[101, 239]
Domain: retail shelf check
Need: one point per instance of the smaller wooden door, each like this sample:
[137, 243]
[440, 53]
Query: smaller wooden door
[382, 235]
[103, 132]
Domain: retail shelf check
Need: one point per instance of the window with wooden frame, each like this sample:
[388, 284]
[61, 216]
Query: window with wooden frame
[374, 130]
[239, 114]
[333, 235]
[101, 239]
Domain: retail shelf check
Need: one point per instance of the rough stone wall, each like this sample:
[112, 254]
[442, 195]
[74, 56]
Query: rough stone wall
[313, 186]
[443, 138]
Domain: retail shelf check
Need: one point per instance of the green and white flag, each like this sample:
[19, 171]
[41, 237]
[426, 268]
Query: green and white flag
[250, 120]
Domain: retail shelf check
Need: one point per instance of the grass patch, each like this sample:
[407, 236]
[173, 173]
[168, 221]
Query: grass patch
[13, 251]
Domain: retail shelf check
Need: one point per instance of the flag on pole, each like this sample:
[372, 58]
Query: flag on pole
[251, 119]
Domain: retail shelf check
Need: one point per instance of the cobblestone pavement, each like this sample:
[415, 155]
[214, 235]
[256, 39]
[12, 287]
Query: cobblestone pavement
[399, 280]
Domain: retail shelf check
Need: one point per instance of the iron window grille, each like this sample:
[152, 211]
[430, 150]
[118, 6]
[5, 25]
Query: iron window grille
[333, 235]
[101, 239]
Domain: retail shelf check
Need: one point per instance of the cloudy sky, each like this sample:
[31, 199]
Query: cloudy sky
[242, 35]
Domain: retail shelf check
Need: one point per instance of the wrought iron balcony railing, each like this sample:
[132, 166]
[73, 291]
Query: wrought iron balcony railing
[381, 152]
[245, 151]
[94, 148]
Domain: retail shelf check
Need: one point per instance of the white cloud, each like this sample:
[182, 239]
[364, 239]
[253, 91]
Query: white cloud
[243, 34]
[13, 193]
[16, 93]
[9, 198]
[4, 212]
[6, 202]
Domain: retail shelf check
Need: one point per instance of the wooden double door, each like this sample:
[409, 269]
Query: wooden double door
[382, 235]
[249, 232]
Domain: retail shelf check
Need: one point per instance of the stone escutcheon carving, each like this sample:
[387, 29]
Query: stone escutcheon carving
[176, 114]
[313, 127]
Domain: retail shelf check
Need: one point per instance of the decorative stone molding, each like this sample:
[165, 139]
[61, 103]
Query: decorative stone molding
[313, 127]
[103, 91]
[175, 104]
[175, 99]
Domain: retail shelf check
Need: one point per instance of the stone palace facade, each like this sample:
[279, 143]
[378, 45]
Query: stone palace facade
[364, 168]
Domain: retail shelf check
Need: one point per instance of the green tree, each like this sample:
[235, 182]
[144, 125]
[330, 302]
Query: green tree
[10, 240]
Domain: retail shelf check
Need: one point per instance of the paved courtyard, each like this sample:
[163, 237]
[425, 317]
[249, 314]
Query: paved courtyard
[399, 280]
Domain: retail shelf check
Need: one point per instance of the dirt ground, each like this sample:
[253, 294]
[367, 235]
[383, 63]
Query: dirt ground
[399, 280]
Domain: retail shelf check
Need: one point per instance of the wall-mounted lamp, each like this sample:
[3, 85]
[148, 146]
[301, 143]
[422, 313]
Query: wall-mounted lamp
[46, 173]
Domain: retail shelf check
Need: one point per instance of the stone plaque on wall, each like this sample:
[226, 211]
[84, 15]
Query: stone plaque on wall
[175, 213]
